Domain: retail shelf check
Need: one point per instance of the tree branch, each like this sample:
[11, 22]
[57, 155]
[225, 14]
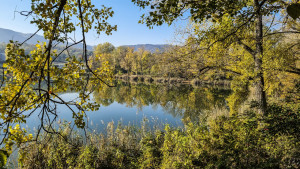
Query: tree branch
[246, 47]
[291, 32]
[85, 48]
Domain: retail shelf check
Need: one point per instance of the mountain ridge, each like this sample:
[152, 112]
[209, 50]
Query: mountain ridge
[6, 35]
[149, 47]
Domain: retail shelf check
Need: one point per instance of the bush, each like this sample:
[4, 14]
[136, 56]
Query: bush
[283, 120]
[238, 141]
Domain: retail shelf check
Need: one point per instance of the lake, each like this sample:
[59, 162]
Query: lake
[131, 103]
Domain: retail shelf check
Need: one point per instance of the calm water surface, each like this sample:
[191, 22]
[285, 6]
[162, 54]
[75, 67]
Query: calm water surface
[131, 103]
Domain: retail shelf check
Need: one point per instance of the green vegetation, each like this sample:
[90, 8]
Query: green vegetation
[253, 43]
[32, 81]
[233, 27]
[236, 141]
[167, 64]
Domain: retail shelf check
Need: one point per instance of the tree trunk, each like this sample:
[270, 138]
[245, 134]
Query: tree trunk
[259, 93]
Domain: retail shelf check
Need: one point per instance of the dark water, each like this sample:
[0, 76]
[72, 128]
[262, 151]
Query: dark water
[132, 103]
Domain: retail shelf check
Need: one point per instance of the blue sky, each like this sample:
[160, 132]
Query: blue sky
[126, 17]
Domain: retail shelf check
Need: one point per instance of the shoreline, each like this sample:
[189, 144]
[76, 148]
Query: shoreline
[172, 81]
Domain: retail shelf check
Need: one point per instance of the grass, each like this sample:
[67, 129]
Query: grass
[219, 140]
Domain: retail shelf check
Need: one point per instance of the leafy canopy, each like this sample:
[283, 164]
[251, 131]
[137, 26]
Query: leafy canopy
[31, 82]
[167, 11]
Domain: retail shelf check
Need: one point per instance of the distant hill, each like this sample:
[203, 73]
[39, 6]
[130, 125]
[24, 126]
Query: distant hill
[149, 47]
[6, 35]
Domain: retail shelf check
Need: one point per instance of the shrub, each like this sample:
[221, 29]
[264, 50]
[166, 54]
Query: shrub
[237, 141]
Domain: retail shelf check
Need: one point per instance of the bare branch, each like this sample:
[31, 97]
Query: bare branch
[30, 37]
[284, 32]
[85, 48]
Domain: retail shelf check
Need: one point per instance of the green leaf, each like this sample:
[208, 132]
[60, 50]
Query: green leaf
[293, 10]
[3, 158]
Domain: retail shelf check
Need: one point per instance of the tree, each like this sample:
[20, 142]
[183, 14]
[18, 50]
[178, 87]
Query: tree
[127, 61]
[31, 81]
[143, 59]
[103, 53]
[247, 16]
[119, 55]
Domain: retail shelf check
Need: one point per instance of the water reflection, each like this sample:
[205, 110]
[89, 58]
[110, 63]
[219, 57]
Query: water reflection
[184, 101]
[131, 103]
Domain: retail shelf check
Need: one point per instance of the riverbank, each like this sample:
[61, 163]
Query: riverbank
[164, 80]
[225, 141]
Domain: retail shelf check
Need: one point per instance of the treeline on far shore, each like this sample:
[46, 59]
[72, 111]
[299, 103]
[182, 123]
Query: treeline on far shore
[171, 80]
